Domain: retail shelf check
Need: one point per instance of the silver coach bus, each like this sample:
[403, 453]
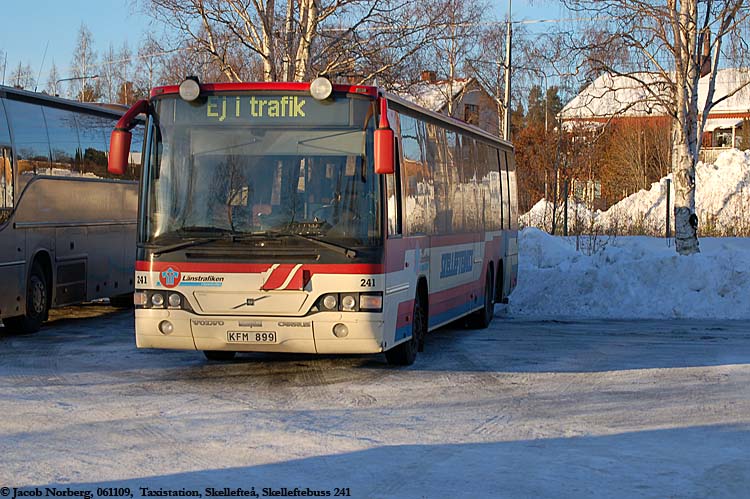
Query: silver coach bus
[67, 227]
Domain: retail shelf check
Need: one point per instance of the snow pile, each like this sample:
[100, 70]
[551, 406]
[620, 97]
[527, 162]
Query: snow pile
[722, 202]
[630, 277]
[540, 215]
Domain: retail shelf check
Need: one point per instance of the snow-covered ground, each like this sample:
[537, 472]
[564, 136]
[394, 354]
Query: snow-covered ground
[523, 409]
[722, 202]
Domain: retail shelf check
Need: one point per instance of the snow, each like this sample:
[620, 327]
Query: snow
[626, 277]
[722, 203]
[630, 277]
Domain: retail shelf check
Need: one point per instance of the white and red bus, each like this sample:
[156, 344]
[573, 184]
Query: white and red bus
[314, 218]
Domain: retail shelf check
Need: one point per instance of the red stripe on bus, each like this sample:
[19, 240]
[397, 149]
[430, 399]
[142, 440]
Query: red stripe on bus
[256, 268]
[278, 276]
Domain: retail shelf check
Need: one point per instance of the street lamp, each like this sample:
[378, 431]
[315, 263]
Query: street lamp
[75, 78]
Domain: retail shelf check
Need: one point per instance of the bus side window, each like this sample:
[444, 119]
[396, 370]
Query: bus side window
[393, 193]
[6, 184]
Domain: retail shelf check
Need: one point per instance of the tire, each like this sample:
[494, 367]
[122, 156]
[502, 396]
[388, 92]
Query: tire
[122, 301]
[404, 354]
[37, 304]
[481, 318]
[219, 355]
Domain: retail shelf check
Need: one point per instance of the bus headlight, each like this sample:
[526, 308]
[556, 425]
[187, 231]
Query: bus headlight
[330, 302]
[348, 303]
[175, 300]
[157, 300]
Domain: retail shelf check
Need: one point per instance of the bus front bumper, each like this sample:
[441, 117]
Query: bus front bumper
[312, 334]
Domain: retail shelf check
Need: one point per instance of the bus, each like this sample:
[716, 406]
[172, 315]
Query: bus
[67, 226]
[314, 218]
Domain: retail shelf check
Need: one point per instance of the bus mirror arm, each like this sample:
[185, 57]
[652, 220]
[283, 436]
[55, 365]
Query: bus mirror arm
[119, 142]
[383, 142]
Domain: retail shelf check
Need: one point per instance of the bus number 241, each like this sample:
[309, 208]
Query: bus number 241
[367, 283]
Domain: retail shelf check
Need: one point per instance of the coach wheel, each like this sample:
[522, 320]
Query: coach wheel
[405, 353]
[122, 301]
[218, 355]
[482, 318]
[37, 304]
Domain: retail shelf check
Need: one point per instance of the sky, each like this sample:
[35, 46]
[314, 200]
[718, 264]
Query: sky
[31, 26]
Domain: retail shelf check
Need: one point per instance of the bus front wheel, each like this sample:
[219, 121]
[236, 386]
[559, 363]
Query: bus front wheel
[37, 304]
[404, 354]
[219, 355]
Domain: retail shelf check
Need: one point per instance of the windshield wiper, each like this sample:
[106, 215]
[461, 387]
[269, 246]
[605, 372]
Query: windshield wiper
[189, 243]
[348, 252]
[184, 244]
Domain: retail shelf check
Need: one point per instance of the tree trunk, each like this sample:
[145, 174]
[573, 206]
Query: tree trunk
[308, 16]
[683, 173]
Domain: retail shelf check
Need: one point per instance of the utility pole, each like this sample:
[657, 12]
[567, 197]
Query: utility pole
[506, 114]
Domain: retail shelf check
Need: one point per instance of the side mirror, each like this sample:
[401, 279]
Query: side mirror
[119, 150]
[119, 141]
[384, 151]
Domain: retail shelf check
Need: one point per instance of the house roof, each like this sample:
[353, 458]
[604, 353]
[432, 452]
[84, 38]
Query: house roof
[434, 95]
[639, 95]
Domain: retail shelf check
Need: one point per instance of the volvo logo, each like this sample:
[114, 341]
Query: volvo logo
[249, 302]
[208, 323]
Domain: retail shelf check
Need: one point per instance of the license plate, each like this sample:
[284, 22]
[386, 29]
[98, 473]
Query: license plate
[251, 337]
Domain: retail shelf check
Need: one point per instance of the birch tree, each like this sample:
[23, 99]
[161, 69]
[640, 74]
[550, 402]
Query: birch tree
[670, 44]
[82, 83]
[295, 40]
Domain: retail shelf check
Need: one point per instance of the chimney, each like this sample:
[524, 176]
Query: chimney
[706, 55]
[429, 76]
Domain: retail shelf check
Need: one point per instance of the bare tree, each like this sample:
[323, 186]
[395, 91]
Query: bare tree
[23, 77]
[295, 40]
[83, 85]
[52, 78]
[670, 46]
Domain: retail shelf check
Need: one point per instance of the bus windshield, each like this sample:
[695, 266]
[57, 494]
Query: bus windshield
[214, 169]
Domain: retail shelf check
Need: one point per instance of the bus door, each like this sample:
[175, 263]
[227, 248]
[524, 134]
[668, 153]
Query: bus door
[12, 244]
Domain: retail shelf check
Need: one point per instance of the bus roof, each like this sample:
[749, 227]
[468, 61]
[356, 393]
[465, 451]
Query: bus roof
[110, 110]
[267, 86]
[449, 120]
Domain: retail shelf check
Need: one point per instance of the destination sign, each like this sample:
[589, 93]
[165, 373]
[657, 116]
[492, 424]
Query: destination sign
[247, 109]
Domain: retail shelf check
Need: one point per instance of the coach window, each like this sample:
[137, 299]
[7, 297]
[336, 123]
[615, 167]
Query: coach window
[6, 184]
[63, 140]
[30, 140]
[93, 133]
[136, 146]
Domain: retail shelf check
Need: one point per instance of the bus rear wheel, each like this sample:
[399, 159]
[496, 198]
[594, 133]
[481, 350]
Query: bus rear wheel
[404, 354]
[481, 318]
[219, 355]
[37, 304]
